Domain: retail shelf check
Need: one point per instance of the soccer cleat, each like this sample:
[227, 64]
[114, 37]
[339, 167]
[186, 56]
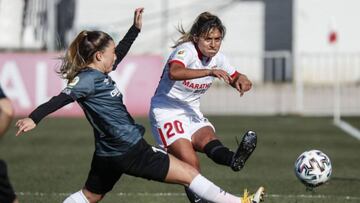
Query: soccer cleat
[243, 152]
[257, 197]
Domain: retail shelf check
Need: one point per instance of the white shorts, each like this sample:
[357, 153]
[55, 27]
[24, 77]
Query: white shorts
[169, 125]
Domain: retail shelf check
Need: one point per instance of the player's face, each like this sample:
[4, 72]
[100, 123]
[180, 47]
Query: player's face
[109, 57]
[209, 45]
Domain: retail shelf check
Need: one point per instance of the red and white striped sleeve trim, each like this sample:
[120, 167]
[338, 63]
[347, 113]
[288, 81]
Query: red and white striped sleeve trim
[234, 75]
[178, 62]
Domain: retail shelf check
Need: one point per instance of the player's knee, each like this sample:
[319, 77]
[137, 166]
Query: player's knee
[186, 155]
[192, 160]
[200, 146]
[202, 137]
[6, 108]
[11, 113]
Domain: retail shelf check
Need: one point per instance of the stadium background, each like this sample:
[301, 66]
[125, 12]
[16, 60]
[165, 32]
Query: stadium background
[302, 55]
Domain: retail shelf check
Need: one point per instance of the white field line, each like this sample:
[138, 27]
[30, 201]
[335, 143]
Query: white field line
[174, 194]
[351, 130]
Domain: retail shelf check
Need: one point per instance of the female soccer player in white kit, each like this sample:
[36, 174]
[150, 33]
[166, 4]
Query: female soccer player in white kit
[177, 122]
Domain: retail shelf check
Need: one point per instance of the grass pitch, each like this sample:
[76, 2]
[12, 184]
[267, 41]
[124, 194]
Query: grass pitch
[52, 161]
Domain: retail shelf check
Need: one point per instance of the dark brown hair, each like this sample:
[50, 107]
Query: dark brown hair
[203, 24]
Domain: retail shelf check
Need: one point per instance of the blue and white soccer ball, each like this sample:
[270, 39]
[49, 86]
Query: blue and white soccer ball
[313, 168]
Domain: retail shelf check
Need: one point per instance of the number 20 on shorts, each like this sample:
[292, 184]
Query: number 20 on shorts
[172, 128]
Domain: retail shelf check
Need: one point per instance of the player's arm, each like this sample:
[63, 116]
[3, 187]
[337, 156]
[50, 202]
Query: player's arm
[43, 110]
[237, 80]
[124, 45]
[178, 71]
[240, 82]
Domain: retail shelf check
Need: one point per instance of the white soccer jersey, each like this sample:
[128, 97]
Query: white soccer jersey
[188, 92]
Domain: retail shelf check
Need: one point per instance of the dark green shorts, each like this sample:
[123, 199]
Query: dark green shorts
[142, 160]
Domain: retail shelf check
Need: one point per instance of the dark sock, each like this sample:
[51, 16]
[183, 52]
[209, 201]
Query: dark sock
[217, 152]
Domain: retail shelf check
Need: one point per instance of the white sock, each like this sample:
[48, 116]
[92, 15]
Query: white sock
[77, 197]
[209, 191]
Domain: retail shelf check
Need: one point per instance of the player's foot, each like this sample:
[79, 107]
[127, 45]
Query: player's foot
[243, 152]
[257, 197]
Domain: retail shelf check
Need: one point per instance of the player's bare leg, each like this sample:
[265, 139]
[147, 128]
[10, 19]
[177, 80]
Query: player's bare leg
[6, 115]
[184, 150]
[205, 140]
[182, 173]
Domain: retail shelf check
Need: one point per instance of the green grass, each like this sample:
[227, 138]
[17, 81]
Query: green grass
[52, 161]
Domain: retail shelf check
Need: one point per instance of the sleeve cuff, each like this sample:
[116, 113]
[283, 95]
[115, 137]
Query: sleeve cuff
[177, 62]
[234, 75]
[134, 28]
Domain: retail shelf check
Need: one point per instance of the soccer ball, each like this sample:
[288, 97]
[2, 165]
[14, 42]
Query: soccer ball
[313, 168]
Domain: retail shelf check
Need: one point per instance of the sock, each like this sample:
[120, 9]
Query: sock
[209, 191]
[217, 152]
[194, 198]
[77, 197]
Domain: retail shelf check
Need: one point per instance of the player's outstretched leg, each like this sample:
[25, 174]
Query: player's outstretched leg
[257, 197]
[243, 152]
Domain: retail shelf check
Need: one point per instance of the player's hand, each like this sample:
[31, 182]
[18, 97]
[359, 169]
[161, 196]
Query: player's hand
[24, 125]
[138, 17]
[242, 84]
[221, 74]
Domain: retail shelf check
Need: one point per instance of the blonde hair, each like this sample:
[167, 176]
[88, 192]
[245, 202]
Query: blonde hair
[80, 52]
[202, 25]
